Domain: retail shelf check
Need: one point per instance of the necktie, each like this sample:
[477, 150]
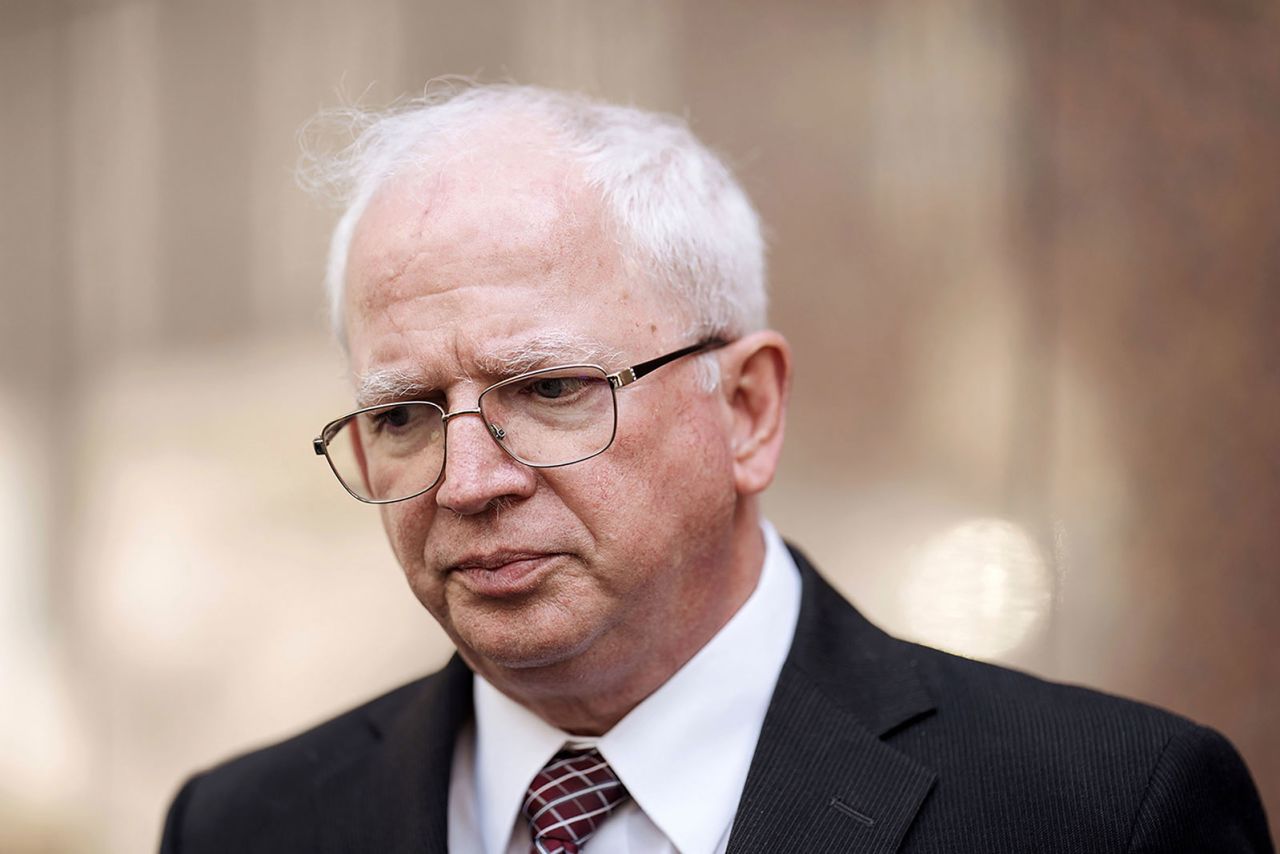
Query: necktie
[568, 799]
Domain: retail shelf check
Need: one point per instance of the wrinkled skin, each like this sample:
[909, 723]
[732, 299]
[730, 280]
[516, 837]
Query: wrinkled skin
[613, 572]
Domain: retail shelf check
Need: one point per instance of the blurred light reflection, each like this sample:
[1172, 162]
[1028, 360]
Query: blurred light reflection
[979, 589]
[39, 741]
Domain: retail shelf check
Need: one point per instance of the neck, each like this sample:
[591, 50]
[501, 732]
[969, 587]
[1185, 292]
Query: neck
[581, 697]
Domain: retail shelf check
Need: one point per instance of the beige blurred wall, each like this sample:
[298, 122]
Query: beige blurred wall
[1027, 255]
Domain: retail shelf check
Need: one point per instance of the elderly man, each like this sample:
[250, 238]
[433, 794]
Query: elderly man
[567, 407]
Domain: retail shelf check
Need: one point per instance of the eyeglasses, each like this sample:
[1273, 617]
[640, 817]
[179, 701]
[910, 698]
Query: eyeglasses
[546, 418]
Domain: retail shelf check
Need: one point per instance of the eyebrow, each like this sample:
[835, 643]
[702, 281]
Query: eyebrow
[387, 384]
[544, 349]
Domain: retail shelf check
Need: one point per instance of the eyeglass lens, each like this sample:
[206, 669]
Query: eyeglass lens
[544, 419]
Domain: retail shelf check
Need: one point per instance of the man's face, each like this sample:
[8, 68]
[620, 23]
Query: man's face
[587, 567]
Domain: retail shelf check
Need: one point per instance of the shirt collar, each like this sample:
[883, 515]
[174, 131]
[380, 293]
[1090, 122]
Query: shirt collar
[683, 753]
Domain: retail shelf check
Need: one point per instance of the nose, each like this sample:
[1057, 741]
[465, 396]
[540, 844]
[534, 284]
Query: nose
[477, 473]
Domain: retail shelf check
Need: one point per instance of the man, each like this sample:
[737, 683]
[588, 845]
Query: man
[568, 404]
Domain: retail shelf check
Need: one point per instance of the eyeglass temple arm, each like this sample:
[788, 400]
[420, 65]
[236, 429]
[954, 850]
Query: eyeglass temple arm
[627, 376]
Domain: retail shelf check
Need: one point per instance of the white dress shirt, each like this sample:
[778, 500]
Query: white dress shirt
[683, 753]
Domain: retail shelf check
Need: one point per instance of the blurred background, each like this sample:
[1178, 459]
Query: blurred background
[1028, 255]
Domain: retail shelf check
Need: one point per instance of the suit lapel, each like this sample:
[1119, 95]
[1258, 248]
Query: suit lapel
[397, 794]
[822, 778]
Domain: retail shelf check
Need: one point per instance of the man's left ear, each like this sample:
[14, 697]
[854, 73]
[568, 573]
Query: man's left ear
[755, 381]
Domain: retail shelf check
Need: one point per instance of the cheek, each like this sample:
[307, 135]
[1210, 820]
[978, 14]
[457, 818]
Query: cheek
[697, 477]
[689, 439]
[670, 484]
[406, 524]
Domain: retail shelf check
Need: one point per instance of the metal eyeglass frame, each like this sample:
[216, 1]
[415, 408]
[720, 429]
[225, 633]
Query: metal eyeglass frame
[617, 380]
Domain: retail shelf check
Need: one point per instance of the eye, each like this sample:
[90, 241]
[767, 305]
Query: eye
[396, 419]
[552, 388]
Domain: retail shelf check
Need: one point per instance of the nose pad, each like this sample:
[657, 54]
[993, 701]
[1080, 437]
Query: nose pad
[494, 430]
[478, 470]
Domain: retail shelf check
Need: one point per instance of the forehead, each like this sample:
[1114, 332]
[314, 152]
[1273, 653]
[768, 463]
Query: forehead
[516, 212]
[501, 244]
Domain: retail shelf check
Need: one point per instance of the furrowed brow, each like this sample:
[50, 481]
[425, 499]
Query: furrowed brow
[386, 385]
[545, 350]
[389, 384]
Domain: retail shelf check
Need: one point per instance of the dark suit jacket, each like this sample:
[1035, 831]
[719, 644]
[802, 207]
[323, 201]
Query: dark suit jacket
[870, 744]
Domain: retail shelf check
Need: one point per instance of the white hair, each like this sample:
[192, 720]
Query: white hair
[679, 214]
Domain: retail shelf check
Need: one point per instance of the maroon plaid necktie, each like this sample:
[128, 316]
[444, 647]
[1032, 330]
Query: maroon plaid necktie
[568, 799]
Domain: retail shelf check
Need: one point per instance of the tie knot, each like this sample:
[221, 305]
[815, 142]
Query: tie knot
[569, 798]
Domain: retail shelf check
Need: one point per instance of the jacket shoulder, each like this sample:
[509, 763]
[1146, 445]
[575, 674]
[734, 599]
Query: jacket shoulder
[275, 770]
[990, 695]
[1140, 778]
[245, 795]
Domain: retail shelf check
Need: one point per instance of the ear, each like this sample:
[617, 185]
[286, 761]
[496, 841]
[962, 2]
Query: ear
[756, 379]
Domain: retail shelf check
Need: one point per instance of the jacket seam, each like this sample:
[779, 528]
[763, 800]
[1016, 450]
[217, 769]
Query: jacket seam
[1146, 792]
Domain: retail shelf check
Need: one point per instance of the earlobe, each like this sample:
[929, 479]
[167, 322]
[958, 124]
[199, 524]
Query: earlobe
[756, 391]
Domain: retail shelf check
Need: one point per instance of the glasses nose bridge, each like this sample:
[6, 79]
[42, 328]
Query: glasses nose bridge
[495, 432]
[449, 416]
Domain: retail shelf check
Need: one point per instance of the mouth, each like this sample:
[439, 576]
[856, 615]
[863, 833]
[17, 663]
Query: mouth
[503, 574]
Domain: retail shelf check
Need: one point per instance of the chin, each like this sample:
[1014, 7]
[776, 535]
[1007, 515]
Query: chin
[507, 643]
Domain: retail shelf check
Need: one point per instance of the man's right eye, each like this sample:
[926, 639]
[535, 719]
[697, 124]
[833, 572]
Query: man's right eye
[397, 417]
[393, 419]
